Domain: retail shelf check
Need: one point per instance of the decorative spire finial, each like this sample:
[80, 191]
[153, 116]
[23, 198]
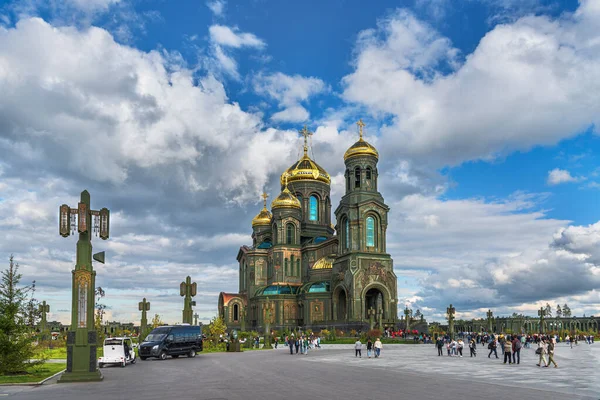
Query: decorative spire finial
[306, 133]
[264, 196]
[361, 125]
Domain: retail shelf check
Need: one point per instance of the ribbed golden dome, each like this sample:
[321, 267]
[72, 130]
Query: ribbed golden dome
[264, 216]
[305, 169]
[361, 148]
[324, 263]
[286, 200]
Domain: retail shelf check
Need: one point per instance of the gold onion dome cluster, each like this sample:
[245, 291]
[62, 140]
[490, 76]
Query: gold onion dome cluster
[362, 147]
[286, 200]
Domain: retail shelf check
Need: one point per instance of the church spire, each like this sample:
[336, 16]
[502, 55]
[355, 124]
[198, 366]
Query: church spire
[306, 133]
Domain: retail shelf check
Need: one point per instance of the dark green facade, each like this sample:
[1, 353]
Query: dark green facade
[308, 273]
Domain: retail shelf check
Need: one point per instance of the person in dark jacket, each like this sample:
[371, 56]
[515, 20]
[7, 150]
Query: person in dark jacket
[492, 346]
[473, 348]
[440, 345]
[291, 343]
[369, 348]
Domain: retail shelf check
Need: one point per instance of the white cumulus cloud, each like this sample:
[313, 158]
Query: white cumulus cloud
[558, 176]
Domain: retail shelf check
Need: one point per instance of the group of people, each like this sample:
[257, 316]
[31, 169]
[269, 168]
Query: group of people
[509, 345]
[302, 343]
[372, 347]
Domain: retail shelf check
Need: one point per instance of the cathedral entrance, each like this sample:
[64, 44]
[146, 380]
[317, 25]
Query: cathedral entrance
[341, 305]
[374, 305]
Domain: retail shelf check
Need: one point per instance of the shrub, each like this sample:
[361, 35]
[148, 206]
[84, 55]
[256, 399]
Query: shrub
[374, 333]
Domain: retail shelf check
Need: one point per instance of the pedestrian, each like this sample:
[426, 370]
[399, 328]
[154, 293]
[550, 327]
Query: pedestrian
[459, 345]
[542, 349]
[378, 347]
[276, 341]
[369, 347]
[473, 348]
[297, 344]
[453, 346]
[492, 347]
[291, 342]
[306, 345]
[358, 348]
[516, 349]
[439, 343]
[551, 355]
[507, 351]
[448, 347]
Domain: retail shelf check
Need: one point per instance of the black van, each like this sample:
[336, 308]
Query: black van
[172, 341]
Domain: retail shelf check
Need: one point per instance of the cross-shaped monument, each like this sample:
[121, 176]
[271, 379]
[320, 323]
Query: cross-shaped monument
[44, 309]
[542, 314]
[82, 337]
[450, 311]
[490, 316]
[187, 289]
[144, 306]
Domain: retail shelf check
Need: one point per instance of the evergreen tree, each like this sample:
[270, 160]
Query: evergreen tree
[566, 311]
[559, 312]
[17, 342]
[548, 311]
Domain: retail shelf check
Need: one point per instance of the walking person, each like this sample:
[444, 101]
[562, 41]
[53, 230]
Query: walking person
[507, 351]
[291, 342]
[492, 347]
[440, 345]
[542, 350]
[306, 345]
[378, 347]
[551, 355]
[297, 344]
[459, 345]
[369, 348]
[358, 348]
[516, 348]
[473, 348]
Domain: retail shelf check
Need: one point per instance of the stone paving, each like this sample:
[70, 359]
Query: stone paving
[578, 371]
[403, 371]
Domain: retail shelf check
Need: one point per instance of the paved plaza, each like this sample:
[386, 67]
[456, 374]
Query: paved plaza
[407, 371]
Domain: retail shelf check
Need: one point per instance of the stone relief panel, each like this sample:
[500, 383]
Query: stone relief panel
[316, 311]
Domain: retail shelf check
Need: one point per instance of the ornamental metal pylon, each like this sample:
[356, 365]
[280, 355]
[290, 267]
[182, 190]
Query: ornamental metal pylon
[143, 307]
[44, 309]
[82, 337]
[187, 289]
[450, 311]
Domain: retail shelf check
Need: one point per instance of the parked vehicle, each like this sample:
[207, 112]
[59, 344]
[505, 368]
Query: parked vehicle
[172, 341]
[118, 350]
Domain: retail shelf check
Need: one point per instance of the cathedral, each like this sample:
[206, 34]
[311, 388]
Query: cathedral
[301, 271]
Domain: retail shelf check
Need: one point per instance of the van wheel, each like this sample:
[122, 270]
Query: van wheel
[100, 365]
[163, 355]
[142, 358]
[175, 356]
[192, 353]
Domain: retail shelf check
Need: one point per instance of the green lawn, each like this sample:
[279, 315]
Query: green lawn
[35, 374]
[60, 353]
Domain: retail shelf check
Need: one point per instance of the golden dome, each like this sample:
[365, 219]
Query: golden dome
[286, 200]
[361, 148]
[305, 168]
[324, 263]
[264, 216]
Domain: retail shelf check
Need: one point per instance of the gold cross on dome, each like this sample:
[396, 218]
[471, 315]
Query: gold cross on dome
[265, 196]
[361, 125]
[306, 133]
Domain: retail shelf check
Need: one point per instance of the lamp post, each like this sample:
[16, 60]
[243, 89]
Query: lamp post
[44, 308]
[144, 306]
[407, 314]
[82, 337]
[187, 289]
[490, 316]
[450, 311]
[542, 314]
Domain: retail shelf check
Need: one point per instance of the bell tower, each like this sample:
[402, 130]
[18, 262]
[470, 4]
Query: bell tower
[365, 286]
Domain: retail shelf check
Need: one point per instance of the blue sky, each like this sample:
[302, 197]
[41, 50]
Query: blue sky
[176, 115]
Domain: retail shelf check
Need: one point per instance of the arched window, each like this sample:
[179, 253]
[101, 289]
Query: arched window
[368, 174]
[236, 312]
[313, 214]
[347, 236]
[290, 237]
[370, 232]
[347, 180]
[357, 177]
